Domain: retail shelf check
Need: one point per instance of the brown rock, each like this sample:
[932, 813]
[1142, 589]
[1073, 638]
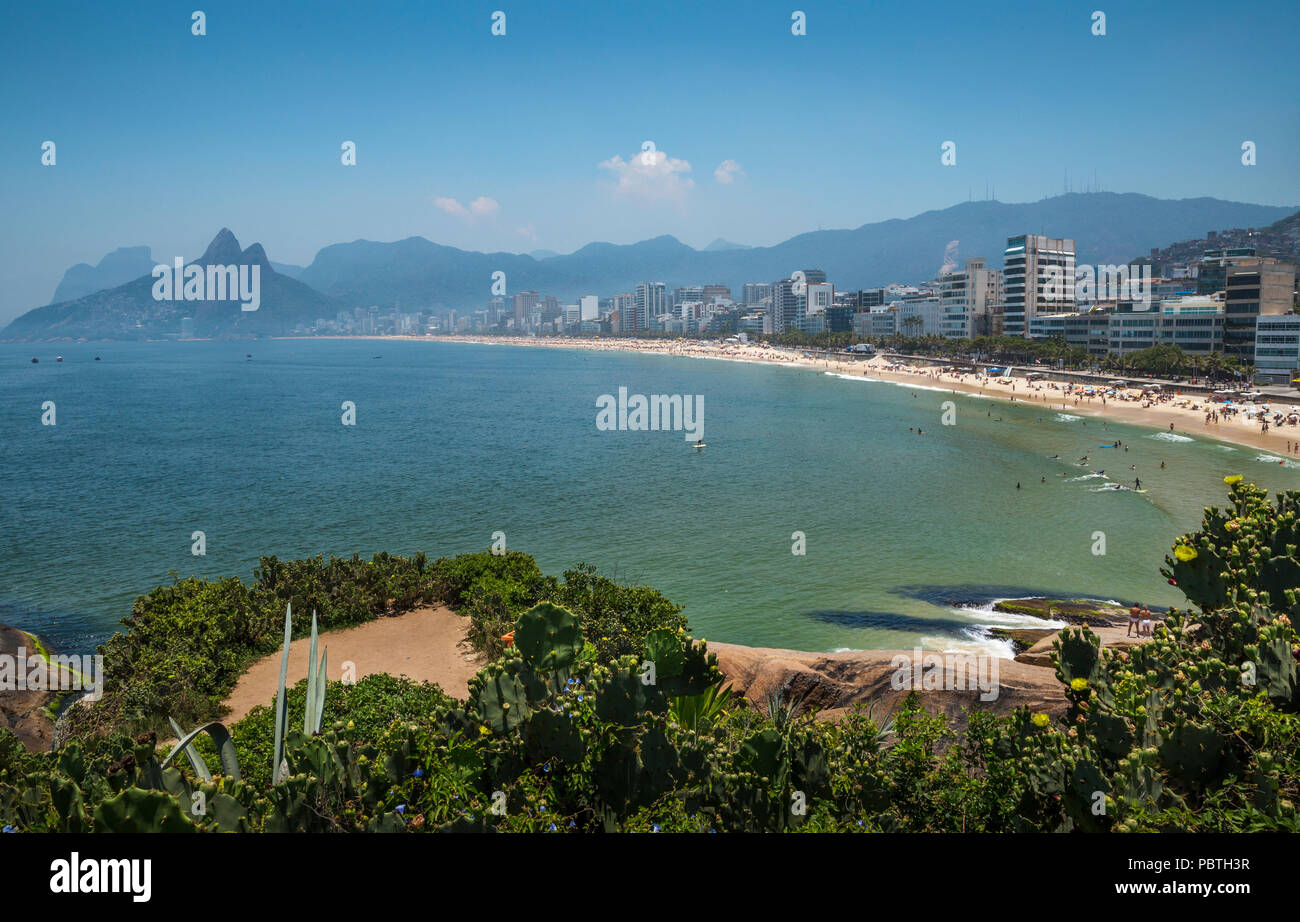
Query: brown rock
[23, 711]
[832, 683]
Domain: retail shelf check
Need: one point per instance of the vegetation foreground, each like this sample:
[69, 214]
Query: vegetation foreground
[599, 711]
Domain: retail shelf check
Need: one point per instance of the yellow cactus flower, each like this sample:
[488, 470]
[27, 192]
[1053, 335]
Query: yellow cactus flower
[1040, 720]
[1185, 553]
[1078, 685]
[1232, 480]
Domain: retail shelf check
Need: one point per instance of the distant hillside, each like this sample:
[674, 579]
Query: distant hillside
[1108, 228]
[1281, 240]
[129, 311]
[118, 267]
[416, 274]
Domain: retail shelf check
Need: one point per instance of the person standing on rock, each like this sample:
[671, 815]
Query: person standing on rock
[1134, 614]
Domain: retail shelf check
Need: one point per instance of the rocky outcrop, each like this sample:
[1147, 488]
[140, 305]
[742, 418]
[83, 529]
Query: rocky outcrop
[1090, 612]
[25, 711]
[832, 684]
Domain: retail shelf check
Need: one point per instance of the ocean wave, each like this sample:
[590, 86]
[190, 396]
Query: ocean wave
[1170, 437]
[915, 387]
[1067, 417]
[971, 643]
[1287, 463]
[1084, 477]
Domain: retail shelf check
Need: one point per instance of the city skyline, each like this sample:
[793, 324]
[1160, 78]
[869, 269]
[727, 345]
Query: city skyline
[484, 142]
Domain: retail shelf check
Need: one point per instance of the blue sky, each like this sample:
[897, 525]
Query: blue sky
[163, 137]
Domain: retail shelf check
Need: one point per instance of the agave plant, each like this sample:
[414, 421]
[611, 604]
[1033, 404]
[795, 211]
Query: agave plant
[225, 750]
[315, 709]
[695, 711]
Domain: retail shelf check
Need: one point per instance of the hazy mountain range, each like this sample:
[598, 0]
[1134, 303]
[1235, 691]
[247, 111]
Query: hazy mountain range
[130, 311]
[417, 274]
[119, 267]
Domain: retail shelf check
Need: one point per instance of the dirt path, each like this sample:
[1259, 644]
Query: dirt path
[427, 644]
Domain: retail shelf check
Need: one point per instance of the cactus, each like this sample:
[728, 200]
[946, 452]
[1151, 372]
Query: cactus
[622, 698]
[139, 810]
[549, 637]
[551, 736]
[1196, 755]
[500, 699]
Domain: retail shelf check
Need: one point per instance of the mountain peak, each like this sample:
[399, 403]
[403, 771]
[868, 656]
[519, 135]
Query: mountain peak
[223, 250]
[720, 244]
[256, 256]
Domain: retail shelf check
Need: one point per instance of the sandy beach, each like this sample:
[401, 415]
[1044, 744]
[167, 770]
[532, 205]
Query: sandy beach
[1187, 415]
[425, 645]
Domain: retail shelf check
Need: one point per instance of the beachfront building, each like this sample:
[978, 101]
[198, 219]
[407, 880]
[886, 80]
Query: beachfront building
[623, 308]
[1212, 272]
[969, 297]
[1037, 278]
[753, 292]
[651, 303]
[788, 306]
[820, 298]
[1277, 348]
[1193, 323]
[525, 304]
[716, 293]
[1254, 288]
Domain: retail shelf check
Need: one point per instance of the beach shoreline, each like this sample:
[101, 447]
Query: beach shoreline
[1187, 421]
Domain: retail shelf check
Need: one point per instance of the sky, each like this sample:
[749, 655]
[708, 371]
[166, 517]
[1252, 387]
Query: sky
[535, 139]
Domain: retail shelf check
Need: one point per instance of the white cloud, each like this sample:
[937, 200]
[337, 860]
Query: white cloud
[727, 171]
[451, 206]
[481, 207]
[650, 176]
[529, 231]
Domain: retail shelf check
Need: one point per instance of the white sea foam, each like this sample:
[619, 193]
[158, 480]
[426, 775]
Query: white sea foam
[914, 387]
[1067, 417]
[1084, 477]
[976, 638]
[1170, 437]
[1287, 463]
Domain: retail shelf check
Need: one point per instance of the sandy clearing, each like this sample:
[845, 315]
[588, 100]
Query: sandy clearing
[427, 644]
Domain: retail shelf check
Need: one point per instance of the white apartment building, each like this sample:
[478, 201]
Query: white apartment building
[1277, 348]
[969, 297]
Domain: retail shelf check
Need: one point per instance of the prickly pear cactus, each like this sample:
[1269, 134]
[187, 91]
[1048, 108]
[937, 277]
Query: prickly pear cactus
[139, 810]
[549, 637]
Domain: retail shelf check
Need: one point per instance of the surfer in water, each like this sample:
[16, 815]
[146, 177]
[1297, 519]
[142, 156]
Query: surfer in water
[1137, 483]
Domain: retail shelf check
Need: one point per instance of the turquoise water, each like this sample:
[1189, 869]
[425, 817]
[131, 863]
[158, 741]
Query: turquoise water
[456, 441]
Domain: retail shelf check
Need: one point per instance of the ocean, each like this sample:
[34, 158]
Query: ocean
[905, 536]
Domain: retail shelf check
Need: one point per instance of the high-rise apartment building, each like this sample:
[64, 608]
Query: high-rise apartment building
[525, 304]
[1037, 278]
[651, 303]
[1255, 287]
[970, 297]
